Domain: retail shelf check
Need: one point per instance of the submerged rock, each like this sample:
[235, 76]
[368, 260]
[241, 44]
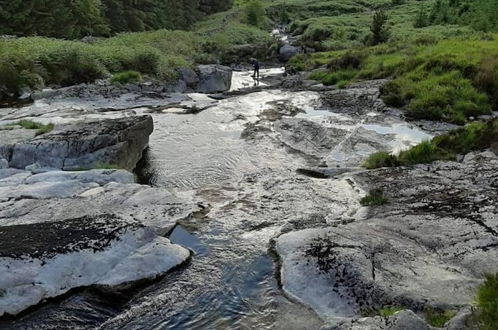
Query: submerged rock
[431, 245]
[118, 142]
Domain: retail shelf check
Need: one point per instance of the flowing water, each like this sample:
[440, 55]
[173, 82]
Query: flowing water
[248, 191]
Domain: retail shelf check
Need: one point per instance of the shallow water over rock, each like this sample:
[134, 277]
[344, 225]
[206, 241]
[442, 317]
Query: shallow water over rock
[238, 161]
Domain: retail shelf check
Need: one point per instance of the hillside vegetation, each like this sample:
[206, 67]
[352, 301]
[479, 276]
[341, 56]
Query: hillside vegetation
[78, 18]
[441, 59]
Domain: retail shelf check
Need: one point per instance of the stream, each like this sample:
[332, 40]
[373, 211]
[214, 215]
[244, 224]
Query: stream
[237, 160]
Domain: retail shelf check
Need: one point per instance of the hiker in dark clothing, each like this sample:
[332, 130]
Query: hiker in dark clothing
[255, 65]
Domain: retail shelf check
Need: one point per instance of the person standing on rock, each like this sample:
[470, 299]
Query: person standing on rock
[255, 65]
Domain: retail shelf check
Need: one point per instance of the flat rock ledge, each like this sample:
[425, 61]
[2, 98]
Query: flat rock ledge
[39, 261]
[83, 145]
[63, 230]
[431, 245]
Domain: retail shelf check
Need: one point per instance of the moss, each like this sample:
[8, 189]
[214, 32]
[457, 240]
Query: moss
[41, 129]
[389, 311]
[374, 198]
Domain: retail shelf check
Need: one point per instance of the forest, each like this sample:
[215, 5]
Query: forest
[72, 19]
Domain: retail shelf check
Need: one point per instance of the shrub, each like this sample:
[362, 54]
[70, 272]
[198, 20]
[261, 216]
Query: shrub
[350, 60]
[487, 301]
[381, 159]
[380, 32]
[126, 77]
[392, 94]
[438, 317]
[255, 13]
[374, 198]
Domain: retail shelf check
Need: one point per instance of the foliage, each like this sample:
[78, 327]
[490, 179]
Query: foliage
[481, 15]
[255, 13]
[375, 198]
[78, 18]
[487, 301]
[34, 62]
[126, 77]
[380, 32]
[438, 317]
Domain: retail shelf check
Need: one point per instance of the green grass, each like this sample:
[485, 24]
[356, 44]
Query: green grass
[446, 80]
[40, 128]
[126, 77]
[487, 301]
[438, 317]
[374, 198]
[476, 136]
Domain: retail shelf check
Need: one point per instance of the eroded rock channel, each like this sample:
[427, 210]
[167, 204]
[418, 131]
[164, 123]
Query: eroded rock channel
[257, 191]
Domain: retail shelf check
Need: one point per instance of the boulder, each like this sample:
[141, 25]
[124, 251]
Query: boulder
[189, 76]
[3, 163]
[89, 144]
[214, 79]
[286, 52]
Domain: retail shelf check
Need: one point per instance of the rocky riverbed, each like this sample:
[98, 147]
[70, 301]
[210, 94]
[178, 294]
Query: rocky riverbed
[264, 182]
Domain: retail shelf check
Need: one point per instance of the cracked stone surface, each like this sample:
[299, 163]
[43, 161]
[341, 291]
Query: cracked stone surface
[431, 244]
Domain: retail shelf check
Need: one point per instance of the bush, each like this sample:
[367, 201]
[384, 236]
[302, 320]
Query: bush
[392, 94]
[487, 301]
[126, 77]
[374, 198]
[381, 159]
[255, 13]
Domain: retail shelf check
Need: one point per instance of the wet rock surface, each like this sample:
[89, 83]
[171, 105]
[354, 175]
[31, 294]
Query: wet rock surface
[88, 144]
[64, 230]
[431, 245]
[245, 169]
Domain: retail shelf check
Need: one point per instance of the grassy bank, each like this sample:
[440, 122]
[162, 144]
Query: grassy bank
[448, 80]
[37, 62]
[473, 137]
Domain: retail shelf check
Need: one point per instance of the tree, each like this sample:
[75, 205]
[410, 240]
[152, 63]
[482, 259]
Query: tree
[380, 32]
